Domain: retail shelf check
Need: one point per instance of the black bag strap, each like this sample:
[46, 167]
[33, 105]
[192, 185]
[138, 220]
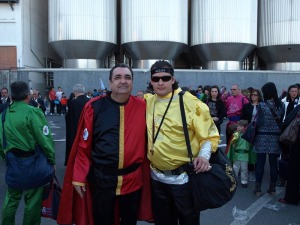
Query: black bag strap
[276, 118]
[184, 124]
[3, 133]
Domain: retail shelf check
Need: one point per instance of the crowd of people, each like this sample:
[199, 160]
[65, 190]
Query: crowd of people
[121, 147]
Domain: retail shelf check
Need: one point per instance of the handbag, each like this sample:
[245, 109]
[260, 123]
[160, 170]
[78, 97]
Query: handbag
[214, 188]
[51, 199]
[26, 172]
[290, 133]
[251, 130]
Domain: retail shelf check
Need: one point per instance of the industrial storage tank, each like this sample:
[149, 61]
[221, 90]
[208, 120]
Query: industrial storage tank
[82, 33]
[223, 33]
[154, 29]
[279, 34]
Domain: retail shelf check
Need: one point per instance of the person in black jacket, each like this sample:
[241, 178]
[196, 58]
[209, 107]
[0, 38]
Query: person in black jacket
[73, 115]
[292, 191]
[250, 109]
[216, 106]
[36, 101]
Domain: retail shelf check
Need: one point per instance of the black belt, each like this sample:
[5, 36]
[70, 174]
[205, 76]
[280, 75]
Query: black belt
[21, 153]
[176, 171]
[117, 172]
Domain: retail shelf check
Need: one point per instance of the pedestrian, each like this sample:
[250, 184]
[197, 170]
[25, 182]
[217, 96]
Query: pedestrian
[172, 199]
[292, 190]
[234, 106]
[75, 108]
[266, 141]
[107, 154]
[36, 101]
[239, 152]
[25, 126]
[216, 106]
[5, 99]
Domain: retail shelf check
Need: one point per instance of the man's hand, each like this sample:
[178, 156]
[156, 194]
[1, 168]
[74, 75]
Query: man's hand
[201, 164]
[80, 190]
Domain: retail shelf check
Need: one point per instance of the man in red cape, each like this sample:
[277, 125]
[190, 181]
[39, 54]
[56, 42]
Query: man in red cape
[107, 163]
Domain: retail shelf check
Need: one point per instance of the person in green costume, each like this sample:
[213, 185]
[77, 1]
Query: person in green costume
[24, 126]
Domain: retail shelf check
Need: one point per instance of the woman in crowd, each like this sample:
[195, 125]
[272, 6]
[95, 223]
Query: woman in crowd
[292, 191]
[216, 106]
[249, 113]
[291, 101]
[250, 109]
[266, 141]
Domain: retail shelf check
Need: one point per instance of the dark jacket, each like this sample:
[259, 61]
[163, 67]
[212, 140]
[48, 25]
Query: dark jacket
[72, 118]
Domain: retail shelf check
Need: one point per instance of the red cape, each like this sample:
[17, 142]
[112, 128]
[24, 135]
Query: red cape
[73, 209]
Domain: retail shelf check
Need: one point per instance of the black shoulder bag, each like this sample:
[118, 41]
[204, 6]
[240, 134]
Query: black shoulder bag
[214, 188]
[26, 171]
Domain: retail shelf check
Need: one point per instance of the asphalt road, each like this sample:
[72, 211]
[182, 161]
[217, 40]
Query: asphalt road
[243, 209]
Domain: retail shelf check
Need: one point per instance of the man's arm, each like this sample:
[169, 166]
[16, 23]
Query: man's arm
[83, 148]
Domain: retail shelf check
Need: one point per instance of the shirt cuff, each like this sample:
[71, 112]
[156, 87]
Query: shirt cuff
[78, 183]
[205, 150]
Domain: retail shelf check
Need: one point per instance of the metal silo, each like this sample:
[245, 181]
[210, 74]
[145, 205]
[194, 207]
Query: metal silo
[82, 33]
[223, 33]
[154, 29]
[279, 34]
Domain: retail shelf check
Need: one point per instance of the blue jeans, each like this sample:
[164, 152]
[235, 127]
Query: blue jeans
[260, 166]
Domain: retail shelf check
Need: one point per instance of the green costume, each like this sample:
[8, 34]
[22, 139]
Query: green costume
[240, 149]
[24, 127]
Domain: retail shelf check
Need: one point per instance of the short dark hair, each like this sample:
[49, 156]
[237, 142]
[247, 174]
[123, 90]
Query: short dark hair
[167, 65]
[19, 90]
[117, 66]
[243, 123]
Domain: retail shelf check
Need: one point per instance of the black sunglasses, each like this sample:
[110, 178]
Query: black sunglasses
[163, 78]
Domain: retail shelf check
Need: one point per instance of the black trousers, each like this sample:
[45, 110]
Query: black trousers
[292, 192]
[105, 202]
[172, 204]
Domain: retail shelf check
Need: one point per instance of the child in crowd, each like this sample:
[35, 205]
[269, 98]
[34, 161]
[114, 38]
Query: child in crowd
[63, 103]
[239, 151]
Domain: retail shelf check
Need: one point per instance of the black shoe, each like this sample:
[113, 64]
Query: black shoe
[244, 185]
[257, 190]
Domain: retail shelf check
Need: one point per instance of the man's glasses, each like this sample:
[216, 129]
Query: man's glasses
[163, 78]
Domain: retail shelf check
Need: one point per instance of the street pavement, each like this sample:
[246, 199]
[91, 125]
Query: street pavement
[244, 209]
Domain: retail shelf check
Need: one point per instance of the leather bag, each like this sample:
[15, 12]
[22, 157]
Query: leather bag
[214, 188]
[251, 130]
[51, 199]
[290, 133]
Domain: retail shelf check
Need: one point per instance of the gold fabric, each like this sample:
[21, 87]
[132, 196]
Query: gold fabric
[170, 149]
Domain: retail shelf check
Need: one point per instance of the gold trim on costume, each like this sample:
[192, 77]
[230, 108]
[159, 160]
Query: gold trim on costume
[78, 183]
[121, 147]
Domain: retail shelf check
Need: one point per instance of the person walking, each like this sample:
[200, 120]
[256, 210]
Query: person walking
[216, 106]
[25, 126]
[172, 200]
[234, 106]
[107, 154]
[73, 115]
[266, 141]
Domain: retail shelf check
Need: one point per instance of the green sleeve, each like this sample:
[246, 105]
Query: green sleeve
[42, 134]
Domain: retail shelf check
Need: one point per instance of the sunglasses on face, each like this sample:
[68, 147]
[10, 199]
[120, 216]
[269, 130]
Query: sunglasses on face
[163, 78]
